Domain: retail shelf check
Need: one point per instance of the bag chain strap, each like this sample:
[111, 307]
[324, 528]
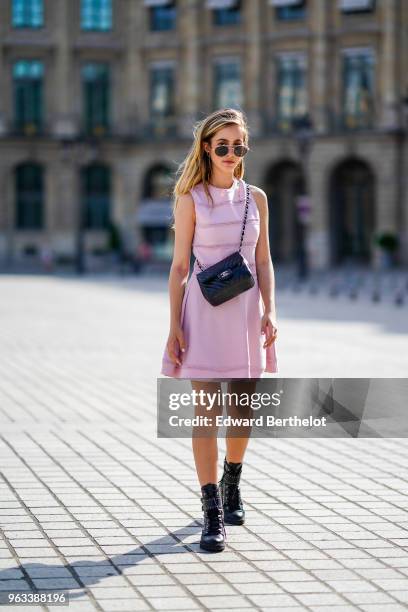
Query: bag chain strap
[243, 225]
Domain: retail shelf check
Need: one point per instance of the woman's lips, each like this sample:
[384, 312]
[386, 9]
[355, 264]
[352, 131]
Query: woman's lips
[228, 162]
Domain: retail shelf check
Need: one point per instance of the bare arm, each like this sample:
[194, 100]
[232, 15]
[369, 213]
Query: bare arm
[264, 268]
[184, 232]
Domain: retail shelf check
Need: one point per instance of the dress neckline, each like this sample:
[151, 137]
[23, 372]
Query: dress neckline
[224, 190]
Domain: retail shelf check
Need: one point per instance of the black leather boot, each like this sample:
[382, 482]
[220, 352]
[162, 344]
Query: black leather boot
[213, 535]
[234, 513]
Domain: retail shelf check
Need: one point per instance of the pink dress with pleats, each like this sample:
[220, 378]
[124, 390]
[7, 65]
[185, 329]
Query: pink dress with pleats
[222, 341]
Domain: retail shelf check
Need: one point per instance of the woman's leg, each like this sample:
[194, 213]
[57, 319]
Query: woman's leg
[237, 437]
[204, 439]
[206, 456]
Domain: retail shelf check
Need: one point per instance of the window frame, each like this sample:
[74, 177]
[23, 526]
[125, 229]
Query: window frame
[154, 17]
[90, 197]
[26, 21]
[28, 96]
[24, 198]
[296, 12]
[219, 13]
[171, 67]
[219, 62]
[96, 122]
[361, 121]
[95, 25]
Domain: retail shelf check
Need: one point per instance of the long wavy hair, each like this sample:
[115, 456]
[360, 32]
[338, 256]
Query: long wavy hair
[196, 167]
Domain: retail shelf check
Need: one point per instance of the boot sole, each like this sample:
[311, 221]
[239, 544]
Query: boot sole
[228, 521]
[213, 548]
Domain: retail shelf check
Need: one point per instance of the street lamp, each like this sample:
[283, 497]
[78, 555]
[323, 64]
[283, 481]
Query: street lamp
[69, 154]
[79, 149]
[303, 133]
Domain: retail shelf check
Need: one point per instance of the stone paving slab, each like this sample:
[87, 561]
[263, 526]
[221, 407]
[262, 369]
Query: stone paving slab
[91, 501]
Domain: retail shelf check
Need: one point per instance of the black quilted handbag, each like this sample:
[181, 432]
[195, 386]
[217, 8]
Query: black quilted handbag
[228, 277]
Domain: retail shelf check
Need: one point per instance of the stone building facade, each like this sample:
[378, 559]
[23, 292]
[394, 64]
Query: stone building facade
[98, 100]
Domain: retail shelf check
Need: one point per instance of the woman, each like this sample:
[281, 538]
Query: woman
[209, 344]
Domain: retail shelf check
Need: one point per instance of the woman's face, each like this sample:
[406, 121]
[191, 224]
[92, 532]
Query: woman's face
[229, 135]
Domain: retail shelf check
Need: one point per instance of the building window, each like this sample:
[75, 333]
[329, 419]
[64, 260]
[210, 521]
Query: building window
[155, 213]
[27, 13]
[96, 15]
[357, 6]
[228, 16]
[163, 17]
[96, 91]
[358, 89]
[291, 90]
[29, 190]
[291, 11]
[96, 194]
[28, 94]
[162, 91]
[227, 84]
[158, 183]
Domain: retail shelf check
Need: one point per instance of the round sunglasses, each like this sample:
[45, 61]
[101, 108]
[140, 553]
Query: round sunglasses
[223, 150]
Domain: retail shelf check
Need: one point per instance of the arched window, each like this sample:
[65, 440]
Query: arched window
[352, 211]
[158, 183]
[29, 192]
[284, 184]
[96, 196]
[155, 211]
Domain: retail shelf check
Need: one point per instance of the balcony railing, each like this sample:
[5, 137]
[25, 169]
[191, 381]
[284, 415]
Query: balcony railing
[168, 128]
[335, 123]
[160, 128]
[351, 122]
[27, 128]
[283, 126]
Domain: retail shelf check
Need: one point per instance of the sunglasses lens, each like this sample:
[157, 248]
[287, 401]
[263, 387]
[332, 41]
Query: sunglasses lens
[221, 150]
[240, 150]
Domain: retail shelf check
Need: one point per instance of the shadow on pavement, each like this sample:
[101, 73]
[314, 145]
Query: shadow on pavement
[91, 573]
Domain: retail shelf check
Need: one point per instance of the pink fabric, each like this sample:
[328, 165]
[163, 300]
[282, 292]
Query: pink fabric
[225, 340]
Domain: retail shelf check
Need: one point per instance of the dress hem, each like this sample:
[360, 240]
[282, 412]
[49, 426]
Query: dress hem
[201, 373]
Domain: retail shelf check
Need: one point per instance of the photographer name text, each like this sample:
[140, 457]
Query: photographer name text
[261, 421]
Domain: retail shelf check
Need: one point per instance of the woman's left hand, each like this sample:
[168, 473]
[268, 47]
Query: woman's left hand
[268, 327]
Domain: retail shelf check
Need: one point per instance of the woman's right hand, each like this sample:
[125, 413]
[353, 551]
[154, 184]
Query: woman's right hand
[176, 344]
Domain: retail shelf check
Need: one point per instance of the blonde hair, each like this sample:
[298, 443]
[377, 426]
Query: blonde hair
[196, 167]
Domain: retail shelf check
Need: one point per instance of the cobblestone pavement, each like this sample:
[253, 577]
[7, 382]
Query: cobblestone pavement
[93, 503]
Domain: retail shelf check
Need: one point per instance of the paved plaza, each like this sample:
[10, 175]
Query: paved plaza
[93, 504]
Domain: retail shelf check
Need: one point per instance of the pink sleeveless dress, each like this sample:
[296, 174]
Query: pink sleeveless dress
[222, 341]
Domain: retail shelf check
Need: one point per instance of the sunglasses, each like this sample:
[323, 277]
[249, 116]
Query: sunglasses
[223, 150]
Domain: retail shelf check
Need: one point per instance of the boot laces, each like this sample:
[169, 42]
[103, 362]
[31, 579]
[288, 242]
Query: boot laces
[214, 521]
[233, 496]
[232, 491]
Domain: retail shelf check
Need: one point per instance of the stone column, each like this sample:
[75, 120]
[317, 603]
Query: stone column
[134, 70]
[388, 75]
[64, 123]
[7, 222]
[317, 65]
[252, 69]
[318, 234]
[387, 191]
[3, 77]
[189, 76]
